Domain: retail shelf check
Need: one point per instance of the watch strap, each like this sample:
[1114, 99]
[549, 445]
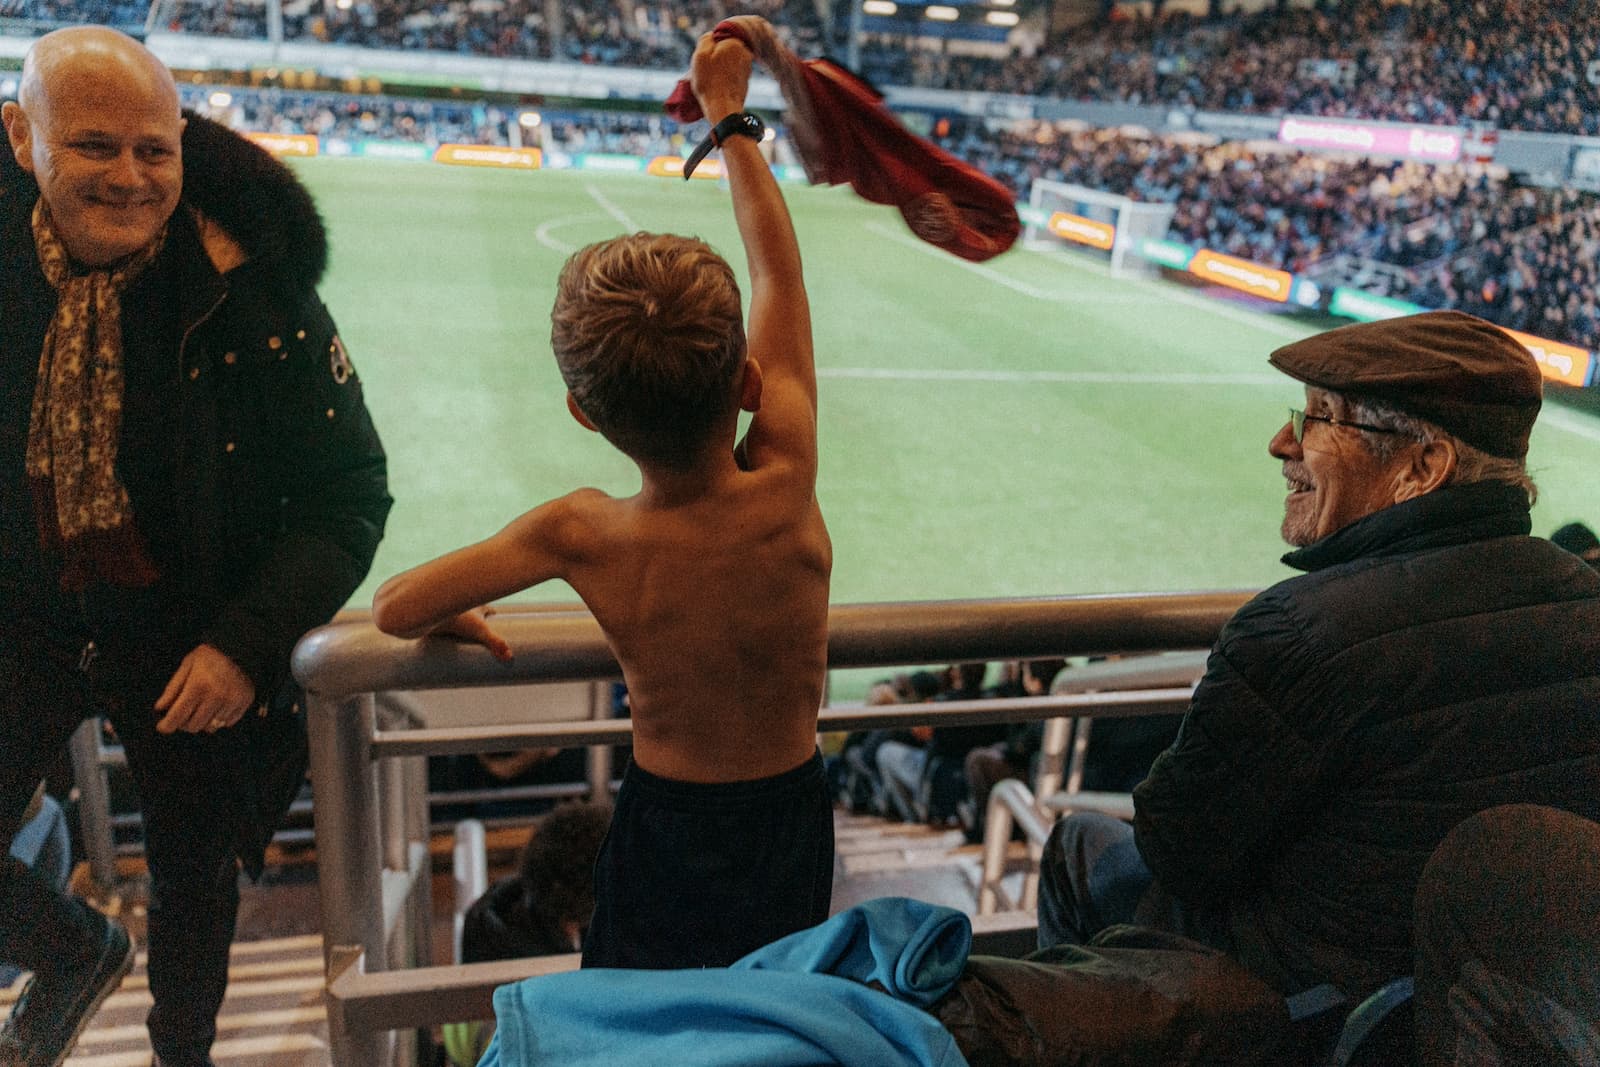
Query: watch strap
[738, 124]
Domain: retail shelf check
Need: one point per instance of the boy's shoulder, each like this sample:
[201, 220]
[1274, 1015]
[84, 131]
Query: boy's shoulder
[569, 525]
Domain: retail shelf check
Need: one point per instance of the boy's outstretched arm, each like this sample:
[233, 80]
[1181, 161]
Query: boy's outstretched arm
[444, 595]
[779, 332]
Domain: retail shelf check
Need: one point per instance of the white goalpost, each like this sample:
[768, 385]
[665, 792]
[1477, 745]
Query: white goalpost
[1077, 216]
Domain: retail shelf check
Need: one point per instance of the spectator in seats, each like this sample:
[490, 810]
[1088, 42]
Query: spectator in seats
[1435, 660]
[171, 524]
[545, 908]
[1578, 539]
[904, 763]
[542, 910]
[864, 782]
[711, 583]
[1014, 757]
[502, 770]
[853, 784]
[1508, 942]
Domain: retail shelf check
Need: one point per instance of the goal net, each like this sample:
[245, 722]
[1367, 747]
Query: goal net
[1110, 225]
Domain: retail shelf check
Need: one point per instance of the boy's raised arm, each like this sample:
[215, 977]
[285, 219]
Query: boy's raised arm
[779, 331]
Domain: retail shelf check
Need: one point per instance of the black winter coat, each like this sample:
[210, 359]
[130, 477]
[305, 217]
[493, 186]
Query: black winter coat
[279, 479]
[1435, 662]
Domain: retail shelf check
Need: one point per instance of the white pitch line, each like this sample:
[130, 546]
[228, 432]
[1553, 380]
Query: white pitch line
[1065, 377]
[1165, 290]
[1573, 424]
[543, 236]
[1169, 291]
[612, 209]
[976, 268]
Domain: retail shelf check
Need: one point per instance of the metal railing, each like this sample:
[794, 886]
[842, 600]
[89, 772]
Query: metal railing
[372, 846]
[1058, 782]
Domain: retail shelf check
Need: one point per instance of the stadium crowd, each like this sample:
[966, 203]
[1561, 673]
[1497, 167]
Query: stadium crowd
[1464, 237]
[595, 31]
[1523, 65]
[340, 116]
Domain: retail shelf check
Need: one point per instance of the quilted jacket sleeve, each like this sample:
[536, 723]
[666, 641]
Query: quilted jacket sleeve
[323, 460]
[1243, 772]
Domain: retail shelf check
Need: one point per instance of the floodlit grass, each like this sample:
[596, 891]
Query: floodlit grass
[1030, 426]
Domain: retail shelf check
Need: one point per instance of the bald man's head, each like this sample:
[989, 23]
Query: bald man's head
[97, 123]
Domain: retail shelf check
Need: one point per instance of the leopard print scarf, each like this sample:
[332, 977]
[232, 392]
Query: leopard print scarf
[81, 507]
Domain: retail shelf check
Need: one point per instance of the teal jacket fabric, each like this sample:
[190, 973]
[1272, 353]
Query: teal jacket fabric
[802, 1001]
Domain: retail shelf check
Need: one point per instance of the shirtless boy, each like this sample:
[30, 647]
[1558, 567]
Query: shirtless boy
[711, 583]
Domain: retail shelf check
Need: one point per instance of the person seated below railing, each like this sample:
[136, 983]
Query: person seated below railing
[542, 910]
[1435, 661]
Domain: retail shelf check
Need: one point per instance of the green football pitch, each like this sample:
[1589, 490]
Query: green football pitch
[1029, 426]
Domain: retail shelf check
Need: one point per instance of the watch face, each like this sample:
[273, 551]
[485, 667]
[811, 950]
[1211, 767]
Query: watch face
[744, 124]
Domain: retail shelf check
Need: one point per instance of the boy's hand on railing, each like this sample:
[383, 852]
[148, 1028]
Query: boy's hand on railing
[719, 74]
[473, 626]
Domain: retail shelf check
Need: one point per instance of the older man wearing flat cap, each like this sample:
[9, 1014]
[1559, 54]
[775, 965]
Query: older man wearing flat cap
[1433, 661]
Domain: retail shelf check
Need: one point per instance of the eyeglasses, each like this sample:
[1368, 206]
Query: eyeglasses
[1298, 420]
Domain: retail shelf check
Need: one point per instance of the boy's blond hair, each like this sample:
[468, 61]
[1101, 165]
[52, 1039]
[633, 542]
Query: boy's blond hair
[649, 334]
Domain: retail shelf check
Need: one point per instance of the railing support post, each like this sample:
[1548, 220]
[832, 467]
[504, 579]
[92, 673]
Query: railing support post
[349, 852]
[600, 769]
[94, 803]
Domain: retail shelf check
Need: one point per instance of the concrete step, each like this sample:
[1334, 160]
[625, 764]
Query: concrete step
[272, 1015]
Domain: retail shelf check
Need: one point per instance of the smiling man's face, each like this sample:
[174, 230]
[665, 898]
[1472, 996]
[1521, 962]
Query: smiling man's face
[100, 129]
[1333, 477]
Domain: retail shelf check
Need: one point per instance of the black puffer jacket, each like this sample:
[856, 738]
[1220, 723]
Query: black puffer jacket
[1436, 661]
[275, 489]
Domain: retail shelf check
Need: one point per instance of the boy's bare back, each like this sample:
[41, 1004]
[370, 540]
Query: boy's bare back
[711, 583]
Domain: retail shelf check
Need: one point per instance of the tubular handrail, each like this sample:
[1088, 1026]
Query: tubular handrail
[370, 831]
[565, 644]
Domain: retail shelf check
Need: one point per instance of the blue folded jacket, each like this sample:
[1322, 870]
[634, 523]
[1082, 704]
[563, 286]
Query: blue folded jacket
[799, 1002]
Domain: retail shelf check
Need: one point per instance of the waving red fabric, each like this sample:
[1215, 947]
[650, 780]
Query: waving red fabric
[843, 133]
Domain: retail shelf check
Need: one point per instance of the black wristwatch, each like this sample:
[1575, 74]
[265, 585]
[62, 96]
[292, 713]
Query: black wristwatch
[739, 124]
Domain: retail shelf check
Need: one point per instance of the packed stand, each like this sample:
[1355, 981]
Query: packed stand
[602, 32]
[338, 116]
[504, 29]
[228, 18]
[1463, 237]
[123, 14]
[1520, 65]
[1517, 65]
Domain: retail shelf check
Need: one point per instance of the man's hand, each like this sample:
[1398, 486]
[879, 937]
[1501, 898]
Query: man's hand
[719, 74]
[208, 692]
[474, 626]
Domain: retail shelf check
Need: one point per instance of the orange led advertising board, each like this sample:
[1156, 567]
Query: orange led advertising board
[672, 167]
[1558, 362]
[482, 155]
[1084, 231]
[1265, 282]
[286, 144]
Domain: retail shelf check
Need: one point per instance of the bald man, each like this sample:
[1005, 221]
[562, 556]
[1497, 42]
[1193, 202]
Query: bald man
[189, 480]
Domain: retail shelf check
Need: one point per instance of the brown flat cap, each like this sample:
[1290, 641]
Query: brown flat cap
[1462, 374]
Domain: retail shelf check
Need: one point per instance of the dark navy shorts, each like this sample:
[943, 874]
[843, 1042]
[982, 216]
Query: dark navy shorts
[699, 874]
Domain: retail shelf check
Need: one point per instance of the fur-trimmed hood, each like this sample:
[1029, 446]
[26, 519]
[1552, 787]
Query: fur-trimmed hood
[251, 207]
